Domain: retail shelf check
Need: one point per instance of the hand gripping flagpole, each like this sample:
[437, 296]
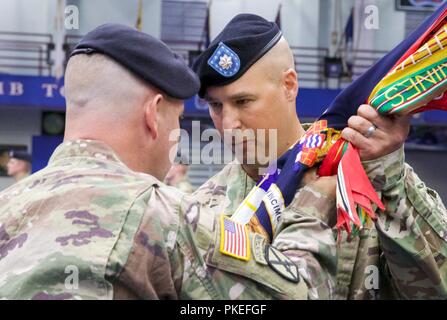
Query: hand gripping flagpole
[417, 81]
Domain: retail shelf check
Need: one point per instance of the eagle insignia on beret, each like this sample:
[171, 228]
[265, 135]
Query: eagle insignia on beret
[225, 61]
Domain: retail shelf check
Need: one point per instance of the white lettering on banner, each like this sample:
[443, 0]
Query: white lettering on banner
[16, 89]
[19, 89]
[274, 203]
[49, 89]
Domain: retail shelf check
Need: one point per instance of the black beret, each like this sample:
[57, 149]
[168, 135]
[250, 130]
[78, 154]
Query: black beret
[20, 154]
[243, 41]
[144, 55]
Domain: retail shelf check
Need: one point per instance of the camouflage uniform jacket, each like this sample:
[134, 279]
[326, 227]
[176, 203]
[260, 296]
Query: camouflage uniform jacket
[303, 233]
[88, 227]
[403, 254]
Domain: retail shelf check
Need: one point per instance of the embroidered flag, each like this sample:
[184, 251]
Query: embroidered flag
[417, 80]
[234, 239]
[411, 78]
[358, 92]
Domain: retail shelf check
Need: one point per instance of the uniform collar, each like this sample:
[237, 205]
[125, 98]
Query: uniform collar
[238, 183]
[86, 149]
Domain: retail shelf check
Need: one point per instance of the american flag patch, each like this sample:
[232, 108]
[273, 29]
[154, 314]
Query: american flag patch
[234, 239]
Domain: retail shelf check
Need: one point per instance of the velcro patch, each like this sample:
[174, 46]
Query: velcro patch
[234, 239]
[258, 247]
[280, 263]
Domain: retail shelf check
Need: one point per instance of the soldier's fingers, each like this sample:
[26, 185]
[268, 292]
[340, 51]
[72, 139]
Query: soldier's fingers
[370, 114]
[362, 125]
[359, 124]
[355, 137]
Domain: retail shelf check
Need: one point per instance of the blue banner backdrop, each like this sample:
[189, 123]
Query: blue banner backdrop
[47, 93]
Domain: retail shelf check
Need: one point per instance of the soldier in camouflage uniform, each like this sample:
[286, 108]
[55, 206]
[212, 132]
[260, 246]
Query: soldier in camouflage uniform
[97, 223]
[251, 99]
[401, 255]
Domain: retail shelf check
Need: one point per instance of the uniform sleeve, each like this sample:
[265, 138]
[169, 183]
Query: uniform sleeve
[412, 230]
[304, 234]
[151, 271]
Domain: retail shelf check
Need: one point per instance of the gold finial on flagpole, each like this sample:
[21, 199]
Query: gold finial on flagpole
[139, 23]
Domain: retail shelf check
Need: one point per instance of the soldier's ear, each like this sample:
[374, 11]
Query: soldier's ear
[151, 117]
[290, 83]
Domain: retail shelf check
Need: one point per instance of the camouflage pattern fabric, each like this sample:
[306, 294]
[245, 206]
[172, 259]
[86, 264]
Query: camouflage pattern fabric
[88, 227]
[303, 234]
[403, 254]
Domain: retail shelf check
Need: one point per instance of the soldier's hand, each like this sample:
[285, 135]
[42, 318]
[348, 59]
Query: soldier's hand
[325, 185]
[375, 135]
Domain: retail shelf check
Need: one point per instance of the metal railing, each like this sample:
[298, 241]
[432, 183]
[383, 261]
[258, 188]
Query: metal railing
[363, 59]
[309, 64]
[28, 53]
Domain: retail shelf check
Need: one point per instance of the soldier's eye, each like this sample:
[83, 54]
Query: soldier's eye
[242, 102]
[216, 106]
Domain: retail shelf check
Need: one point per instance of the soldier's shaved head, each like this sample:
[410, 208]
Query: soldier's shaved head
[277, 60]
[107, 102]
[96, 85]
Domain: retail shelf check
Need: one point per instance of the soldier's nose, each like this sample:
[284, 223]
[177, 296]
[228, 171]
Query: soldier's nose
[230, 119]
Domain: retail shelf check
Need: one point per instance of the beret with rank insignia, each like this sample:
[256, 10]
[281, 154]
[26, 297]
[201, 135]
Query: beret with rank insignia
[243, 41]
